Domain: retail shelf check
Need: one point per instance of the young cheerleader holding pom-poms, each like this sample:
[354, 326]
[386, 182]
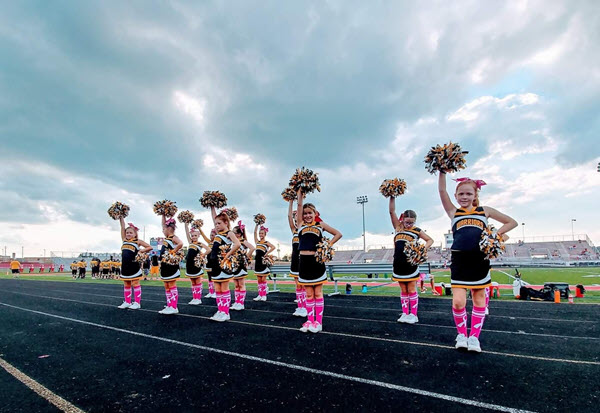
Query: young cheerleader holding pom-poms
[223, 237]
[244, 256]
[263, 248]
[470, 268]
[405, 272]
[312, 274]
[295, 262]
[131, 270]
[193, 264]
[169, 264]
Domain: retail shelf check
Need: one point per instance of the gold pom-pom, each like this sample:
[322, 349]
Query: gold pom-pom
[165, 207]
[200, 260]
[186, 217]
[289, 194]
[306, 180]
[141, 257]
[260, 219]
[491, 244]
[231, 213]
[213, 199]
[392, 187]
[325, 251]
[242, 258]
[197, 223]
[268, 260]
[118, 210]
[445, 158]
[230, 264]
[415, 252]
[173, 258]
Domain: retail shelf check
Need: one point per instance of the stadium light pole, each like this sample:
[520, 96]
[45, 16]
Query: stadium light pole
[572, 229]
[363, 200]
[523, 226]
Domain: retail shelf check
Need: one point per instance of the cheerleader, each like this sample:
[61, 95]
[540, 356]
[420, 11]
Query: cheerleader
[105, 269]
[223, 236]
[470, 269]
[263, 247]
[96, 268]
[404, 272]
[239, 277]
[132, 273]
[192, 271]
[312, 274]
[300, 291]
[211, 284]
[169, 273]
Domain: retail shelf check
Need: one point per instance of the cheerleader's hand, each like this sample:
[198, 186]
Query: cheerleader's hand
[249, 257]
[505, 237]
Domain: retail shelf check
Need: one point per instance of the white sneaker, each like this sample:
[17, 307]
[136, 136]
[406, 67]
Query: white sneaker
[403, 318]
[213, 295]
[220, 317]
[124, 305]
[263, 298]
[226, 317]
[411, 319]
[170, 310]
[487, 312]
[257, 298]
[195, 301]
[209, 295]
[300, 312]
[315, 327]
[461, 341]
[163, 310]
[216, 316]
[473, 344]
[135, 306]
[305, 327]
[237, 306]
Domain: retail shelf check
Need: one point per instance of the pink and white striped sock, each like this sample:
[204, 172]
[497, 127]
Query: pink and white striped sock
[227, 301]
[413, 300]
[477, 317]
[487, 296]
[199, 286]
[211, 287]
[303, 298]
[194, 291]
[237, 296]
[310, 309]
[262, 291]
[127, 294]
[299, 297]
[319, 309]
[220, 300]
[137, 293]
[242, 297]
[460, 319]
[169, 296]
[174, 297]
[405, 302]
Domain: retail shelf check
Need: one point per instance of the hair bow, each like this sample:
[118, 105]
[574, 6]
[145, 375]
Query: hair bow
[241, 226]
[478, 182]
[170, 222]
[130, 225]
[264, 229]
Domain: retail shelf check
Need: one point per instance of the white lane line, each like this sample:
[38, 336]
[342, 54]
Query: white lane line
[487, 330]
[388, 340]
[290, 303]
[286, 365]
[44, 392]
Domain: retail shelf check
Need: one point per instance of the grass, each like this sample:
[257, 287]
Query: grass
[534, 276]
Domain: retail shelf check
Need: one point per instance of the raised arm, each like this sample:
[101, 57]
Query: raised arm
[446, 202]
[163, 219]
[300, 209]
[509, 223]
[256, 233]
[428, 240]
[122, 222]
[187, 232]
[213, 213]
[393, 216]
[336, 234]
[291, 217]
[204, 236]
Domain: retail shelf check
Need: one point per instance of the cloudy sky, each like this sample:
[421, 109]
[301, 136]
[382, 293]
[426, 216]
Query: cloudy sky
[140, 101]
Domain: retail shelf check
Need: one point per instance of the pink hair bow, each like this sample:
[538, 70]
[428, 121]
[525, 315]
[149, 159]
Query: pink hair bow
[264, 229]
[170, 222]
[130, 225]
[241, 226]
[478, 182]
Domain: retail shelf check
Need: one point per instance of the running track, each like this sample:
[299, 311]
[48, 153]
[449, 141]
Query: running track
[537, 356]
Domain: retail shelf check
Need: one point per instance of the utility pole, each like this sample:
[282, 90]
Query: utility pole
[363, 200]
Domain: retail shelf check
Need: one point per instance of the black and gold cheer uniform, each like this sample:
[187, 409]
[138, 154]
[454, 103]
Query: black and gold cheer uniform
[168, 272]
[259, 267]
[310, 271]
[403, 270]
[469, 268]
[212, 266]
[294, 265]
[131, 269]
[191, 270]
